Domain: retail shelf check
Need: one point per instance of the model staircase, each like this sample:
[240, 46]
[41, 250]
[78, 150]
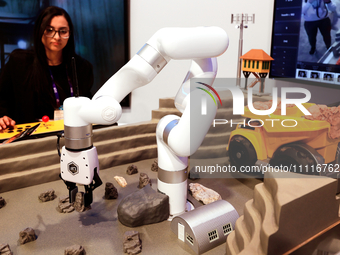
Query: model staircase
[36, 161]
[272, 221]
[253, 228]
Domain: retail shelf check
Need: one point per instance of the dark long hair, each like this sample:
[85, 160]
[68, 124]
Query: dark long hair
[40, 77]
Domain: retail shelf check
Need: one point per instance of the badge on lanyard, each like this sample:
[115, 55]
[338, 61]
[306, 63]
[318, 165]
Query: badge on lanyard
[59, 113]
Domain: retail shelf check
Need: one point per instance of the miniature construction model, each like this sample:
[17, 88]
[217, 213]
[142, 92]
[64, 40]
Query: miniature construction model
[286, 213]
[300, 145]
[207, 226]
[256, 62]
[79, 159]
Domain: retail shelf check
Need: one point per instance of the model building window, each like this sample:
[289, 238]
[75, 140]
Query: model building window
[265, 64]
[227, 229]
[189, 239]
[245, 63]
[213, 235]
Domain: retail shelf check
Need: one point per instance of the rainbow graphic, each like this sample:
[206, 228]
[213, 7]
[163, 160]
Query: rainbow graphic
[212, 89]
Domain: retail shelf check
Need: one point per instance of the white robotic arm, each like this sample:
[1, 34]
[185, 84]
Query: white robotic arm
[179, 137]
[166, 44]
[200, 44]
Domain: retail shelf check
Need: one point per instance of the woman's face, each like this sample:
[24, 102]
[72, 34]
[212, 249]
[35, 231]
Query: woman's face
[55, 43]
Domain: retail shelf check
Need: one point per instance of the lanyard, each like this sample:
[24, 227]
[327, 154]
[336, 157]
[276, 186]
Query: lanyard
[55, 90]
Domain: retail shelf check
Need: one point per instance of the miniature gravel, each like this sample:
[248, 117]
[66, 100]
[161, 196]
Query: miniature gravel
[144, 180]
[48, 195]
[132, 169]
[27, 235]
[110, 191]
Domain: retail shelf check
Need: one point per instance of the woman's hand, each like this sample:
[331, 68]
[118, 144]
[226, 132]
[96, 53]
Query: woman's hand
[5, 122]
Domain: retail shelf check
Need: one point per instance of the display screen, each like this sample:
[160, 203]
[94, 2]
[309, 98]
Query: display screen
[306, 42]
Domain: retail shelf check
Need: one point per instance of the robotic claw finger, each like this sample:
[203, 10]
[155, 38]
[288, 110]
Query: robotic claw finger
[79, 159]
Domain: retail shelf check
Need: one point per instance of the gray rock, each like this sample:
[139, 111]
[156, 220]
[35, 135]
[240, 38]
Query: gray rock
[132, 169]
[144, 180]
[64, 205]
[5, 250]
[2, 202]
[110, 191]
[79, 203]
[132, 243]
[48, 195]
[154, 166]
[75, 250]
[27, 235]
[143, 207]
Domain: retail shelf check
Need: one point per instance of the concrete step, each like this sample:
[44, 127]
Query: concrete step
[216, 139]
[252, 219]
[125, 143]
[242, 235]
[36, 160]
[116, 132]
[212, 151]
[161, 112]
[111, 159]
[33, 176]
[50, 157]
[232, 248]
[265, 204]
[27, 147]
[258, 223]
[226, 113]
[27, 162]
[33, 146]
[27, 178]
[168, 102]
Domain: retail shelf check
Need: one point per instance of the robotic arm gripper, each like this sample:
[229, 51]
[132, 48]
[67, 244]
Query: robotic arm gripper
[79, 159]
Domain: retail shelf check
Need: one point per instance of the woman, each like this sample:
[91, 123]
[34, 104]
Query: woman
[35, 83]
[316, 14]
